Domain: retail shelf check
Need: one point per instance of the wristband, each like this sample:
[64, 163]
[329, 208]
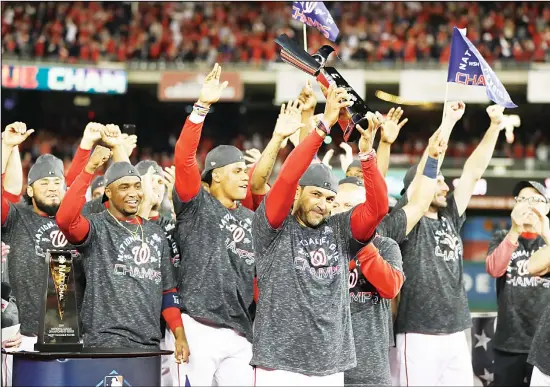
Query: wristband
[200, 110]
[321, 125]
[366, 156]
[430, 168]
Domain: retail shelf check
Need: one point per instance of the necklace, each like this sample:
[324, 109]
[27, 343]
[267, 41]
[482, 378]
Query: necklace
[133, 233]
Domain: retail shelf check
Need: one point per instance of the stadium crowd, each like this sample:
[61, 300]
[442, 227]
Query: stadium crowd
[208, 31]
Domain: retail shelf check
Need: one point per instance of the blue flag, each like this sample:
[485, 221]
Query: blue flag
[315, 14]
[467, 67]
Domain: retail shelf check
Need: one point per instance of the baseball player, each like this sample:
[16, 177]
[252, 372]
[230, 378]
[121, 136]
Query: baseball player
[302, 331]
[521, 296]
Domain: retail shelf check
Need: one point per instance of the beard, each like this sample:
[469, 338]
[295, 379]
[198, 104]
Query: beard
[48, 209]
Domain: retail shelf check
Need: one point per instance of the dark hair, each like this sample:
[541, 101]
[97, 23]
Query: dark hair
[208, 178]
[26, 199]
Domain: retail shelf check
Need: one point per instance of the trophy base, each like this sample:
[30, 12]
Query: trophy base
[58, 347]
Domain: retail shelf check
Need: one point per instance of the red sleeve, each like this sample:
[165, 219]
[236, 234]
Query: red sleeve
[12, 198]
[188, 176]
[497, 262]
[366, 216]
[5, 204]
[71, 222]
[383, 276]
[248, 201]
[77, 165]
[281, 196]
[172, 314]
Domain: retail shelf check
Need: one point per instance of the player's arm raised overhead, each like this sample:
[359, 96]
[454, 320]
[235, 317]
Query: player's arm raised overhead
[71, 222]
[309, 101]
[366, 216]
[188, 177]
[12, 180]
[12, 137]
[287, 124]
[91, 135]
[281, 196]
[477, 163]
[390, 130]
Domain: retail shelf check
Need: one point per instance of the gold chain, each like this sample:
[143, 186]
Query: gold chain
[133, 233]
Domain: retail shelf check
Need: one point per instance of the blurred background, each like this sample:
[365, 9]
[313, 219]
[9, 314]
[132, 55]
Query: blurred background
[67, 63]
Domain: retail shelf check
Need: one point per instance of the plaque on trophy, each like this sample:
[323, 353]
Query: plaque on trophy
[314, 65]
[59, 329]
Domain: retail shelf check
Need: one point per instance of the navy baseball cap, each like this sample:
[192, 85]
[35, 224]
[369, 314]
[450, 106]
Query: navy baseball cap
[319, 175]
[532, 184]
[221, 156]
[118, 171]
[99, 181]
[354, 164]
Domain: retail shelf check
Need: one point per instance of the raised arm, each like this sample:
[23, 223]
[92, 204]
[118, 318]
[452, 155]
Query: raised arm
[112, 137]
[287, 124]
[91, 135]
[426, 182]
[309, 102]
[12, 137]
[188, 177]
[390, 130]
[281, 196]
[367, 215]
[13, 178]
[479, 160]
[71, 222]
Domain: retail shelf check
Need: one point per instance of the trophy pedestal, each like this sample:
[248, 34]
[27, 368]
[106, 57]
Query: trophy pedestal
[90, 367]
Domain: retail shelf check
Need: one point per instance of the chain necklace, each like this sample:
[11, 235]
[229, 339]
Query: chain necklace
[133, 233]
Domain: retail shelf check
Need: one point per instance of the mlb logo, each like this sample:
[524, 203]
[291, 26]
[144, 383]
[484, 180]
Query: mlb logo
[113, 381]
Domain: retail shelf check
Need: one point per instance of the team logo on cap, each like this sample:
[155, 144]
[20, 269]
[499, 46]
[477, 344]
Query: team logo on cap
[212, 163]
[326, 184]
[51, 173]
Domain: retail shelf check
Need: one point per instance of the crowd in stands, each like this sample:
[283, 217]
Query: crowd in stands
[222, 32]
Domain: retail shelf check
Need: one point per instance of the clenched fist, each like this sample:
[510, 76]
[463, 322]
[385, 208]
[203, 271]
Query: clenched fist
[99, 157]
[16, 133]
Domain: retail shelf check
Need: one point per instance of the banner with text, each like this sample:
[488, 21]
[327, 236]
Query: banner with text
[83, 80]
[429, 86]
[186, 86]
[290, 82]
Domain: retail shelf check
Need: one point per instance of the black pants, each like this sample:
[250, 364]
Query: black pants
[512, 369]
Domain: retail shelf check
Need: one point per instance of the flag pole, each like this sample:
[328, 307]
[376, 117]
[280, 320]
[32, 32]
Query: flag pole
[440, 161]
[305, 36]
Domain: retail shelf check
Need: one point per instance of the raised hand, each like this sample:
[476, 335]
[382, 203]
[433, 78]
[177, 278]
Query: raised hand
[289, 120]
[368, 135]
[496, 114]
[328, 157]
[212, 89]
[169, 178]
[337, 99]
[519, 216]
[92, 134]
[16, 133]
[307, 98]
[99, 156]
[542, 227]
[454, 110]
[111, 135]
[129, 141]
[347, 158]
[147, 186]
[436, 145]
[252, 156]
[391, 125]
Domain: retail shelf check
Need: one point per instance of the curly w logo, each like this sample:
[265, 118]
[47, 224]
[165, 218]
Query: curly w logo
[308, 6]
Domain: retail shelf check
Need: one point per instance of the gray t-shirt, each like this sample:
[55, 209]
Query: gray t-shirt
[433, 299]
[394, 225]
[540, 353]
[93, 207]
[216, 273]
[30, 237]
[303, 321]
[371, 319]
[521, 297]
[125, 280]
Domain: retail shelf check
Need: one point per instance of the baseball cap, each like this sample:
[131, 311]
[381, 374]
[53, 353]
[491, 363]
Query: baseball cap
[99, 181]
[319, 175]
[118, 171]
[354, 164]
[221, 156]
[352, 180]
[46, 166]
[409, 177]
[144, 165]
[533, 184]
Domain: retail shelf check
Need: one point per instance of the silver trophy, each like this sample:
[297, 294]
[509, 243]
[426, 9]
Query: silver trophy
[314, 65]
